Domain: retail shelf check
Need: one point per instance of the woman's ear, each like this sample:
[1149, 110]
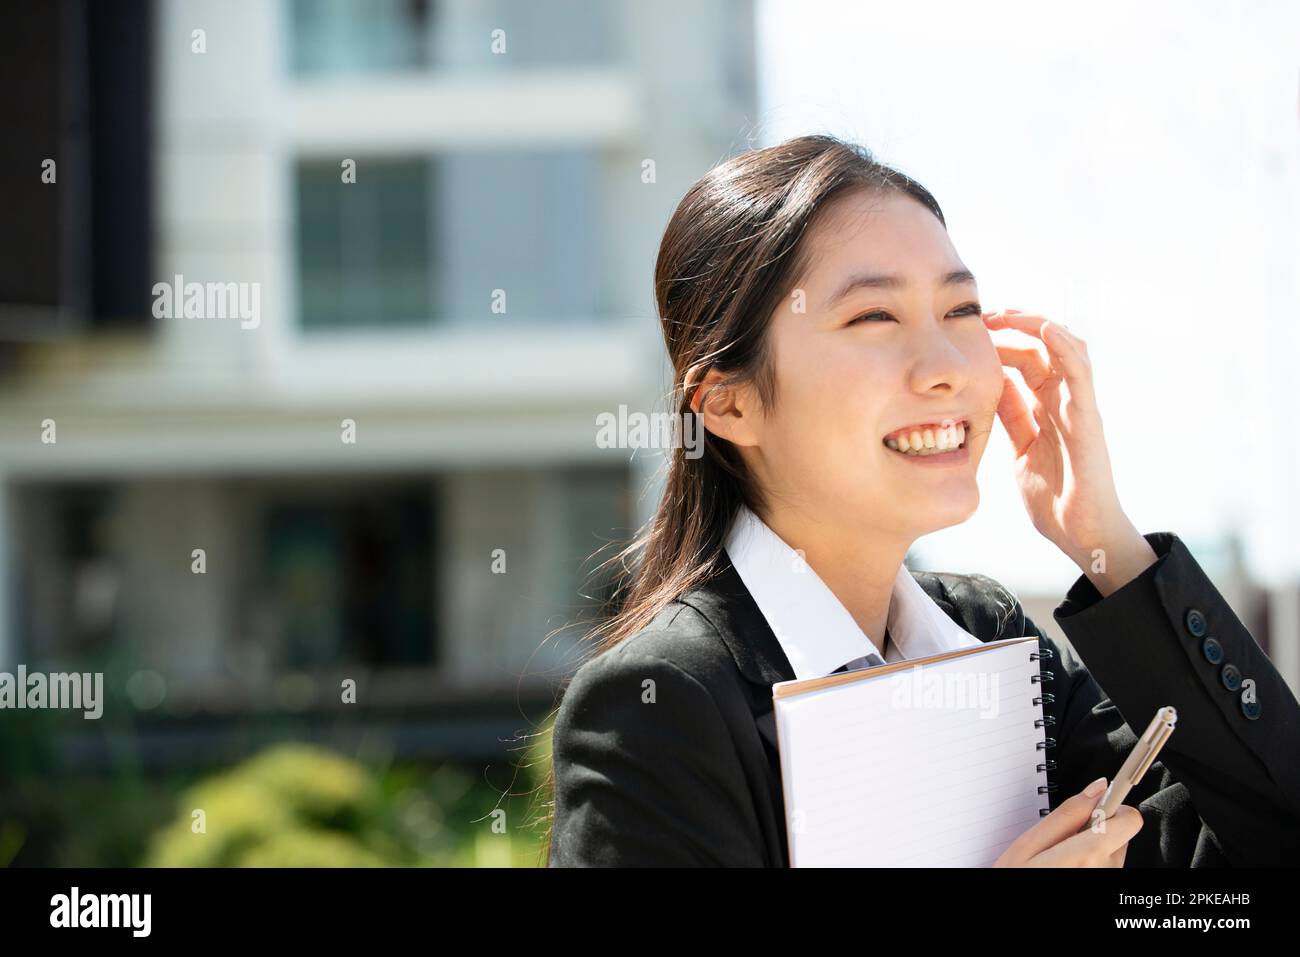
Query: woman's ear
[726, 409]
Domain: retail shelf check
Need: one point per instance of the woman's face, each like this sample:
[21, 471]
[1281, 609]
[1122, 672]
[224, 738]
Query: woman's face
[861, 361]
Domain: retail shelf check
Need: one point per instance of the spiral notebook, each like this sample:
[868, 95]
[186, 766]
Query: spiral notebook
[928, 762]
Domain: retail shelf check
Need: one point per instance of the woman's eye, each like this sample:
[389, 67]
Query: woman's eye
[871, 317]
[970, 309]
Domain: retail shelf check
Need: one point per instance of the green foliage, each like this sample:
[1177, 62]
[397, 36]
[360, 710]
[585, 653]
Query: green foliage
[298, 805]
[290, 805]
[299, 847]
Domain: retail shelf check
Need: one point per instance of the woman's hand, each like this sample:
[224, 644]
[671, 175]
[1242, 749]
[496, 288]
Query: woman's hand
[1062, 465]
[1070, 837]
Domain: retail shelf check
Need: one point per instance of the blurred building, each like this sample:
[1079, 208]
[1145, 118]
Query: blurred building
[414, 400]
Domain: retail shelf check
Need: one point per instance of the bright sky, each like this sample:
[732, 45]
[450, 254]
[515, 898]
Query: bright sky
[1130, 169]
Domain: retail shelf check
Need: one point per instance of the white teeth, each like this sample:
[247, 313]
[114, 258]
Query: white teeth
[929, 441]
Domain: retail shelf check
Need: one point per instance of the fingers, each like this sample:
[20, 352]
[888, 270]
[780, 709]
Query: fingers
[1057, 338]
[1070, 835]
[1063, 823]
[1044, 385]
[1076, 835]
[1107, 847]
[1067, 352]
[1109, 837]
[1015, 417]
[1029, 361]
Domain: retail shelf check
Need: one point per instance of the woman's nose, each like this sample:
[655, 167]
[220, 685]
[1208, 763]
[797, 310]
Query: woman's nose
[940, 362]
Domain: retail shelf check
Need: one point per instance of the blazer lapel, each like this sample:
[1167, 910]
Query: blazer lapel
[727, 604]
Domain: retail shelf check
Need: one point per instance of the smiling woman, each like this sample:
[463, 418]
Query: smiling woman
[825, 331]
[899, 343]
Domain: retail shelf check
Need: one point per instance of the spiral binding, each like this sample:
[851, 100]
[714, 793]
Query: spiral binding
[1046, 721]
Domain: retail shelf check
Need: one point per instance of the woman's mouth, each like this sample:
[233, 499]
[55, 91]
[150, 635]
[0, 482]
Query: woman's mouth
[928, 438]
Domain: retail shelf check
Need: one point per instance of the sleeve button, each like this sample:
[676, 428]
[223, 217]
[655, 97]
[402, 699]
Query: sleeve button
[1195, 622]
[1230, 675]
[1212, 650]
[1250, 709]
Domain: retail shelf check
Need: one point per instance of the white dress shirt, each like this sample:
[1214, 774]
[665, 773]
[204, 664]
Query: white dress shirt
[813, 627]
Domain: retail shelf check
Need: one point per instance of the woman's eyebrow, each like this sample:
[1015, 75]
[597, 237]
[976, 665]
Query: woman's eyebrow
[882, 281]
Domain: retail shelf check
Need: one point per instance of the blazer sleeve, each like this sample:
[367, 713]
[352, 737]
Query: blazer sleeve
[646, 771]
[1226, 789]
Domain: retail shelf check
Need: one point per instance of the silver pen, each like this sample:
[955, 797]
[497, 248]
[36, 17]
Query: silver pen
[1142, 756]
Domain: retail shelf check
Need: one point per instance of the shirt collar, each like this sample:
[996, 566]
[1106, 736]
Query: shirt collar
[813, 627]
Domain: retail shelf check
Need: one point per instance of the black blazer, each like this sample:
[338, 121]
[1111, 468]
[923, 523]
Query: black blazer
[684, 771]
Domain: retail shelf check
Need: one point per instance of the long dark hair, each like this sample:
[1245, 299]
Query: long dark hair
[731, 253]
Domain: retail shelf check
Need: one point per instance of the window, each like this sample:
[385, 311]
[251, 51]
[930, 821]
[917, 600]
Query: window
[523, 221]
[339, 36]
[387, 36]
[78, 92]
[363, 247]
[417, 241]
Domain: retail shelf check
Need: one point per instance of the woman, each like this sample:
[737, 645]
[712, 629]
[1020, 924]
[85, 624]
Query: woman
[824, 329]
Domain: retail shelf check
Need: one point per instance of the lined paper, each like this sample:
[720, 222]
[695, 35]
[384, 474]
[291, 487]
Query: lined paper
[925, 763]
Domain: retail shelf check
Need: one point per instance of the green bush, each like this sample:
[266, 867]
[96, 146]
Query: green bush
[298, 805]
[291, 803]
